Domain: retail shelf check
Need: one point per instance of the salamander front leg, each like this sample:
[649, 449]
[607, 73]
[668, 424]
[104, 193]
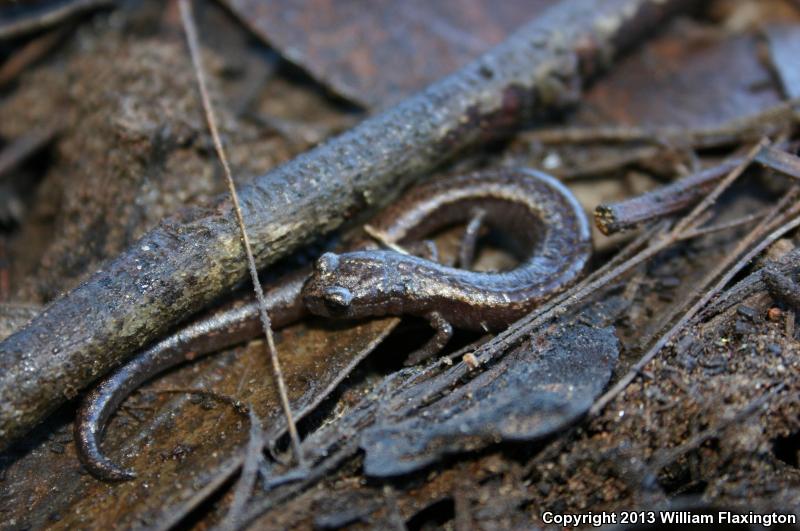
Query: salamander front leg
[444, 331]
[466, 253]
[431, 250]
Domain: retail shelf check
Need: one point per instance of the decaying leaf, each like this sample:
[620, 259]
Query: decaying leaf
[539, 388]
[177, 442]
[784, 47]
[378, 52]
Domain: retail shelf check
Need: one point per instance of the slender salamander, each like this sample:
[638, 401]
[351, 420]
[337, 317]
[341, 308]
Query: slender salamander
[545, 224]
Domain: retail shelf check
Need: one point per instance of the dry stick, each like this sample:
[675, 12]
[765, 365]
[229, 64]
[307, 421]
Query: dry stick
[781, 161]
[655, 349]
[755, 124]
[30, 53]
[249, 475]
[605, 165]
[660, 202]
[719, 227]
[194, 50]
[381, 237]
[752, 284]
[711, 198]
[674, 197]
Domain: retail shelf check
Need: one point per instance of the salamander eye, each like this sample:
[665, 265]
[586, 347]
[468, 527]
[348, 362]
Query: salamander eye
[337, 299]
[327, 262]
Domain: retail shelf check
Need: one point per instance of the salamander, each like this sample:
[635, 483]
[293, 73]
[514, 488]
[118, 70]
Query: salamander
[544, 223]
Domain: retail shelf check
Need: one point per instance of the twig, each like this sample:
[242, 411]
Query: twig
[30, 53]
[754, 283]
[781, 161]
[719, 227]
[663, 201]
[666, 200]
[609, 164]
[755, 125]
[711, 198]
[381, 237]
[247, 480]
[194, 50]
[782, 287]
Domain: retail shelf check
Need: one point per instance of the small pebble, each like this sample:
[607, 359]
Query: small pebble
[774, 314]
[774, 348]
[747, 311]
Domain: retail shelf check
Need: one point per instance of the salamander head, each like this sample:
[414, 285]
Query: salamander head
[350, 285]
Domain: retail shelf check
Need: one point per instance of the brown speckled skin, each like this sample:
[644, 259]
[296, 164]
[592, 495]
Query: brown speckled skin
[547, 224]
[549, 227]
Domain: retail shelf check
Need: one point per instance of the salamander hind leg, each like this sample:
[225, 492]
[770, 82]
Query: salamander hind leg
[466, 253]
[431, 251]
[443, 333]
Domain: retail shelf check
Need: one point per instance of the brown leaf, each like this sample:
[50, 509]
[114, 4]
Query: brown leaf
[539, 388]
[178, 442]
[684, 79]
[784, 47]
[375, 53]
